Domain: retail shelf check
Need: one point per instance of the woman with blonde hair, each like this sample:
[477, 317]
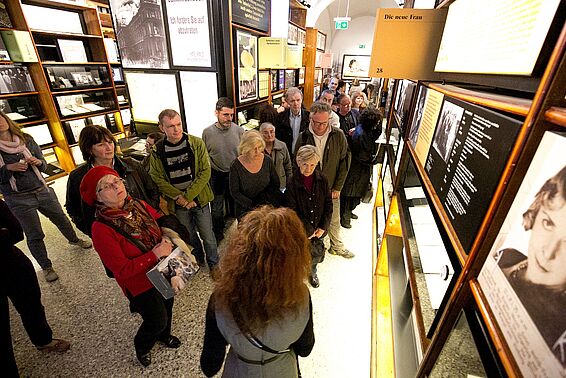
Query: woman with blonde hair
[26, 193]
[359, 100]
[261, 306]
[253, 178]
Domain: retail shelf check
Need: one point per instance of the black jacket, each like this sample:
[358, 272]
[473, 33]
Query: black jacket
[364, 150]
[138, 183]
[10, 229]
[283, 130]
[314, 210]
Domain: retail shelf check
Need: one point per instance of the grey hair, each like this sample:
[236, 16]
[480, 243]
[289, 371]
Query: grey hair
[320, 107]
[292, 91]
[307, 153]
[265, 125]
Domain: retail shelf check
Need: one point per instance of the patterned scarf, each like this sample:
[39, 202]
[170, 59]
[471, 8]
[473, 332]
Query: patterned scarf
[134, 220]
[15, 147]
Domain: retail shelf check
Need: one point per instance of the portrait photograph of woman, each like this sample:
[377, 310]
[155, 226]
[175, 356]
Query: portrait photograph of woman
[524, 278]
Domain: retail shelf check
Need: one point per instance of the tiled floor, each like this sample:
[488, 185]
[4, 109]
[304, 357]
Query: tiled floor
[89, 309]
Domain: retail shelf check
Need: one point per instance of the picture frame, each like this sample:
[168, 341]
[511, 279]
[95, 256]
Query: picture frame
[355, 66]
[246, 58]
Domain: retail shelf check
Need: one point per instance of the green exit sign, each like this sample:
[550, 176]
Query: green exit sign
[341, 25]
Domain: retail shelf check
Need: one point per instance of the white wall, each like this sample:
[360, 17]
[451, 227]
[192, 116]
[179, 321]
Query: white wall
[347, 41]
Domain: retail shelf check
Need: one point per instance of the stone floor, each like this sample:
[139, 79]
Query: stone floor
[88, 309]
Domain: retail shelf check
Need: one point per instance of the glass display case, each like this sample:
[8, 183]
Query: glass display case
[40, 133]
[73, 105]
[22, 109]
[63, 78]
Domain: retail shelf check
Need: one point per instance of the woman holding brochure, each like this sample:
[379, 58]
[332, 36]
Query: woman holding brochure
[130, 242]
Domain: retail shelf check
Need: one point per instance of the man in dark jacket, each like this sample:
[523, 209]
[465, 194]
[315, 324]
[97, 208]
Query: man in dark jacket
[331, 145]
[292, 121]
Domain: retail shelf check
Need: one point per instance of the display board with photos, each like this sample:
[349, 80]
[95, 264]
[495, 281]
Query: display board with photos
[523, 278]
[469, 149]
[40, 133]
[254, 14]
[15, 79]
[142, 34]
[22, 109]
[77, 104]
[246, 60]
[64, 78]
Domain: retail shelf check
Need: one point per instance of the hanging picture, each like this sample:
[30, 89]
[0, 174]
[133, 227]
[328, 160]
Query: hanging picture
[140, 33]
[189, 33]
[247, 66]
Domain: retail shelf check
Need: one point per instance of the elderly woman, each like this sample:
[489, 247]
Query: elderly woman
[129, 242]
[27, 194]
[539, 279]
[309, 195]
[261, 306]
[253, 178]
[278, 152]
[98, 148]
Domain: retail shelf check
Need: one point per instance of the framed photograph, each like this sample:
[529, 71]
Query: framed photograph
[140, 24]
[355, 66]
[15, 79]
[320, 41]
[274, 78]
[292, 35]
[301, 79]
[290, 78]
[247, 66]
[523, 279]
[301, 36]
[72, 50]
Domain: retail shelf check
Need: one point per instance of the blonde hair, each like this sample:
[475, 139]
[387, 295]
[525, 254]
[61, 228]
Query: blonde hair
[307, 153]
[249, 141]
[356, 94]
[15, 129]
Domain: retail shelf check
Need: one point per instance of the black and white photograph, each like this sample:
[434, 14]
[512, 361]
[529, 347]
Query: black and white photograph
[446, 130]
[4, 17]
[135, 18]
[15, 79]
[418, 115]
[247, 66]
[524, 279]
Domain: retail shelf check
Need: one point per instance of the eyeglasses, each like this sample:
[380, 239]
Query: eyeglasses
[321, 124]
[114, 184]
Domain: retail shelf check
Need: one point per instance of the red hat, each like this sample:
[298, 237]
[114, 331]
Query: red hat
[90, 180]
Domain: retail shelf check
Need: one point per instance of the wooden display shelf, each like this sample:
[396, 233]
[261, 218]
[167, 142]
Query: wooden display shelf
[66, 35]
[86, 115]
[57, 92]
[504, 103]
[556, 115]
[19, 94]
[55, 177]
[29, 123]
[53, 63]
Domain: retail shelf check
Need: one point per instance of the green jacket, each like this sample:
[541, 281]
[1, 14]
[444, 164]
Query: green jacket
[199, 190]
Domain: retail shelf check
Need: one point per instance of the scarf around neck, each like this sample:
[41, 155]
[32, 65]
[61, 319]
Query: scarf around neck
[132, 219]
[15, 147]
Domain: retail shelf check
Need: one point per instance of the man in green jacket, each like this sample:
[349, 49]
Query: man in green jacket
[180, 168]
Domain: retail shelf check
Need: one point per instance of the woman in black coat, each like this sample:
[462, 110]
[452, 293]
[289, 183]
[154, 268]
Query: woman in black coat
[309, 195]
[364, 150]
[18, 282]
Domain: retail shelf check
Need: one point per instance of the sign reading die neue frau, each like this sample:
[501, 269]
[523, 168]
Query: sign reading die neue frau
[252, 13]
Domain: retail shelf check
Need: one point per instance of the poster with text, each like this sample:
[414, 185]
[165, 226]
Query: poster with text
[431, 112]
[252, 13]
[189, 33]
[140, 33]
[247, 66]
[469, 150]
[524, 276]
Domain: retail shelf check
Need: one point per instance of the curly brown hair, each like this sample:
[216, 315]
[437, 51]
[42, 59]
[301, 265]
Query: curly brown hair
[264, 268]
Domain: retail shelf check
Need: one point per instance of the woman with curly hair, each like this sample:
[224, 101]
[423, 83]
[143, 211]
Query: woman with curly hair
[261, 305]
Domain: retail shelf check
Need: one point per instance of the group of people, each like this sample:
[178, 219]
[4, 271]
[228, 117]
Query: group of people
[298, 175]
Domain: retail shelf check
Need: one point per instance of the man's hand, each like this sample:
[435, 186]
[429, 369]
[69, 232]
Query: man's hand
[317, 233]
[181, 201]
[335, 194]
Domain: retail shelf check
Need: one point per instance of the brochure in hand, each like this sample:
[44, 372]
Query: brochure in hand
[171, 274]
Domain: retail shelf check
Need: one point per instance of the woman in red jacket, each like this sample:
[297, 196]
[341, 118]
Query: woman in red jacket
[129, 242]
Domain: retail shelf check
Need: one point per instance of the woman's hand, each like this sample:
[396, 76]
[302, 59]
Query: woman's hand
[33, 161]
[20, 166]
[163, 249]
[317, 233]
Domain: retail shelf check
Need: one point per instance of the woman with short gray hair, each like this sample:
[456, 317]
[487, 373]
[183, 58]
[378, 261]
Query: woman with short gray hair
[278, 152]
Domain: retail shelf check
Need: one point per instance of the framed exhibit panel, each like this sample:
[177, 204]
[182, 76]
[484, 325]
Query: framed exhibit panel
[189, 33]
[65, 78]
[274, 80]
[264, 83]
[22, 108]
[140, 33]
[320, 41]
[402, 104]
[15, 79]
[469, 150]
[290, 78]
[246, 58]
[355, 66]
[301, 77]
[199, 104]
[292, 34]
[523, 278]
[53, 20]
[150, 93]
[40, 134]
[253, 14]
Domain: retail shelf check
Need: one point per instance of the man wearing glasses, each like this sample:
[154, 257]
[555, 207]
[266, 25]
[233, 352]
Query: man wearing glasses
[335, 162]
